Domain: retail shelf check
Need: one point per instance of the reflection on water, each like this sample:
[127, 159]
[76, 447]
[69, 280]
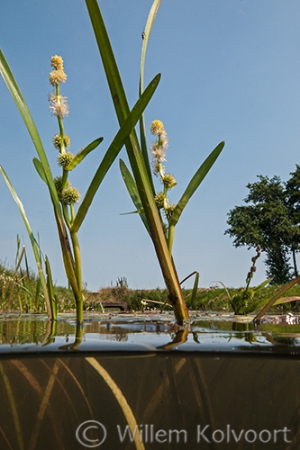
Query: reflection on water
[144, 332]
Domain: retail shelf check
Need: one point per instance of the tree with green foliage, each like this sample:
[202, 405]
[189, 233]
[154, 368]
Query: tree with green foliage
[292, 187]
[271, 219]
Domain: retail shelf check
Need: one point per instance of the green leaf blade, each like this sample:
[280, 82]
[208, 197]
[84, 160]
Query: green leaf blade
[114, 149]
[195, 183]
[83, 153]
[146, 35]
[133, 192]
[18, 98]
[34, 244]
[39, 168]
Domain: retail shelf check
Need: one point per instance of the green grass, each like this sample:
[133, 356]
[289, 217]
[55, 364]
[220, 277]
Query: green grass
[13, 296]
[216, 299]
[206, 299]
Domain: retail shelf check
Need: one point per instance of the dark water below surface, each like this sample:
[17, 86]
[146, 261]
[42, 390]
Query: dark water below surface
[136, 382]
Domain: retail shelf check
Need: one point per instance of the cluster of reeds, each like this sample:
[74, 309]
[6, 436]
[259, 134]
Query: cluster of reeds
[20, 288]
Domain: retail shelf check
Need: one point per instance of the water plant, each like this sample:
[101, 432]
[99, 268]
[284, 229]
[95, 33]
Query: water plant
[247, 300]
[45, 283]
[140, 183]
[30, 289]
[244, 301]
[63, 196]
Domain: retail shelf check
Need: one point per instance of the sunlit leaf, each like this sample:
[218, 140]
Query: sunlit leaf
[33, 241]
[137, 163]
[83, 153]
[195, 182]
[50, 288]
[39, 168]
[133, 191]
[276, 298]
[114, 150]
[31, 127]
[145, 36]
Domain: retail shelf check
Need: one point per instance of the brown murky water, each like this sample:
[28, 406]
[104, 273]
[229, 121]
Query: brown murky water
[136, 382]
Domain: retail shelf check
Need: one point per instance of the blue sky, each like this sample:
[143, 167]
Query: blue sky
[230, 71]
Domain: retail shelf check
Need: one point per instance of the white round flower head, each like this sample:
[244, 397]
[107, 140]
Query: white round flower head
[59, 106]
[157, 152]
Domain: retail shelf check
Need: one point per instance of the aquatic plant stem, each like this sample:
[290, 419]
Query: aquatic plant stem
[33, 241]
[60, 122]
[78, 269]
[138, 166]
[171, 231]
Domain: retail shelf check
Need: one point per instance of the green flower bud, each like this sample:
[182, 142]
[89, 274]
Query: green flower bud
[160, 199]
[169, 181]
[64, 159]
[169, 209]
[70, 195]
[57, 141]
[58, 186]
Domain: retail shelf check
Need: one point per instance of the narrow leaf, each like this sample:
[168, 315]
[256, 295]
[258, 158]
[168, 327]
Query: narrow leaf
[19, 257]
[24, 111]
[138, 164]
[50, 288]
[114, 150]
[195, 182]
[31, 127]
[195, 287]
[261, 303]
[83, 153]
[133, 191]
[33, 241]
[262, 285]
[37, 293]
[146, 35]
[276, 297]
[39, 168]
[132, 212]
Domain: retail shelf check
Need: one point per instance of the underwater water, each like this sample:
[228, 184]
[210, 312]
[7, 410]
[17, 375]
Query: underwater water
[134, 381]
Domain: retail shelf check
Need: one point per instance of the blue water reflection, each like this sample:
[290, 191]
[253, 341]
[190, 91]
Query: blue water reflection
[146, 333]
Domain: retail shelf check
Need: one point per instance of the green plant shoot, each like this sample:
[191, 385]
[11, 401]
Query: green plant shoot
[152, 206]
[246, 301]
[62, 194]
